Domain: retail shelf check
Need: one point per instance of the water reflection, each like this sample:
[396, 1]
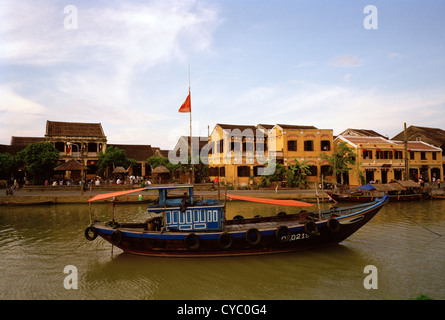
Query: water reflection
[401, 241]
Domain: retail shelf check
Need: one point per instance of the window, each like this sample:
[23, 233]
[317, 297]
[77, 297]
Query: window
[367, 154]
[243, 171]
[398, 155]
[313, 170]
[423, 156]
[292, 145]
[434, 155]
[411, 155]
[248, 146]
[60, 146]
[309, 145]
[325, 145]
[326, 170]
[217, 171]
[258, 171]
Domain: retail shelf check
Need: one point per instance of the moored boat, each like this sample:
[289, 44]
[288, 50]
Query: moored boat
[181, 226]
[396, 191]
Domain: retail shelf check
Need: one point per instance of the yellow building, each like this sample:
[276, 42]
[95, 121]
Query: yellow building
[303, 143]
[381, 160]
[239, 154]
[77, 141]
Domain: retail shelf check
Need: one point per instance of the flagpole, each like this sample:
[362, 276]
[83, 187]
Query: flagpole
[191, 151]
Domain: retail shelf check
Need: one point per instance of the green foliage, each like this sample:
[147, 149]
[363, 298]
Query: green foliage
[155, 162]
[114, 157]
[8, 165]
[341, 159]
[297, 174]
[39, 159]
[278, 175]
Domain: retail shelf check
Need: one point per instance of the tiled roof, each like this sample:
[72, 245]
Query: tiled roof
[74, 129]
[136, 151]
[366, 140]
[13, 150]
[25, 141]
[361, 132]
[291, 126]
[236, 126]
[434, 136]
[70, 165]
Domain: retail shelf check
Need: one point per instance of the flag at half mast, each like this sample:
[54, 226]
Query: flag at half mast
[187, 105]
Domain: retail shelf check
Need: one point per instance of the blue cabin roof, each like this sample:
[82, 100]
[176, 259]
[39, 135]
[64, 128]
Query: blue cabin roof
[194, 215]
[169, 200]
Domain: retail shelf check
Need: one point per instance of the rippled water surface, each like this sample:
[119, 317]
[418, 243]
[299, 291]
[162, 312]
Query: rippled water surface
[402, 242]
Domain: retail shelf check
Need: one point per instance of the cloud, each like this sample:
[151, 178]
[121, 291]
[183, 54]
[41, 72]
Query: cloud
[19, 116]
[134, 33]
[340, 107]
[347, 60]
[97, 72]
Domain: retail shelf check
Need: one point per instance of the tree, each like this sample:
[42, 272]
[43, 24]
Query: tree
[114, 157]
[341, 159]
[278, 175]
[39, 159]
[297, 173]
[8, 165]
[155, 161]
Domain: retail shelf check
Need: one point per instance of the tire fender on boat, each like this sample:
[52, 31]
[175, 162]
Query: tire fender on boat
[91, 229]
[333, 225]
[116, 237]
[191, 241]
[282, 234]
[311, 228]
[225, 240]
[253, 236]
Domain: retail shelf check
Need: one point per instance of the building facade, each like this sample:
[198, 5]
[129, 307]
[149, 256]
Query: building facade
[240, 154]
[77, 141]
[288, 143]
[382, 160]
[237, 153]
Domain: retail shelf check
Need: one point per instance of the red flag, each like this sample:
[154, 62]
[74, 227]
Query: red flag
[186, 106]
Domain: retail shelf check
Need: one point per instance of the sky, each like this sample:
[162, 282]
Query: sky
[128, 65]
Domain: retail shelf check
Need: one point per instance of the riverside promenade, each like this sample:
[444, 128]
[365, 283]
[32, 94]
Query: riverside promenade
[65, 194]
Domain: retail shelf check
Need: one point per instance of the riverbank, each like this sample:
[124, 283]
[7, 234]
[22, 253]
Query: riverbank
[48, 195]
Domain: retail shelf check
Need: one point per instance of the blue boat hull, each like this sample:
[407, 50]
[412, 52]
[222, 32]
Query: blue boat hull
[241, 237]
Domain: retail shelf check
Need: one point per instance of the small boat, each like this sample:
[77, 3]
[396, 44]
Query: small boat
[21, 203]
[395, 191]
[181, 226]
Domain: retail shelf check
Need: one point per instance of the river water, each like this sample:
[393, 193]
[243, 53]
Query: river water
[402, 242]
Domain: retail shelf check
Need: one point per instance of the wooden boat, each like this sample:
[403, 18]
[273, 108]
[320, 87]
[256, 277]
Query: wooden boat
[395, 191]
[32, 203]
[181, 226]
[357, 197]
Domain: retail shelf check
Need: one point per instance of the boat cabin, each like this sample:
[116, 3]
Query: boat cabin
[182, 212]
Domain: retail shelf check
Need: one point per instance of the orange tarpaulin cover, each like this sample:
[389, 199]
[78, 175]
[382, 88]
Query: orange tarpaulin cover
[113, 194]
[288, 203]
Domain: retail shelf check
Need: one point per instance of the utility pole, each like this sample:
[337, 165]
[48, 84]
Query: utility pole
[405, 140]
